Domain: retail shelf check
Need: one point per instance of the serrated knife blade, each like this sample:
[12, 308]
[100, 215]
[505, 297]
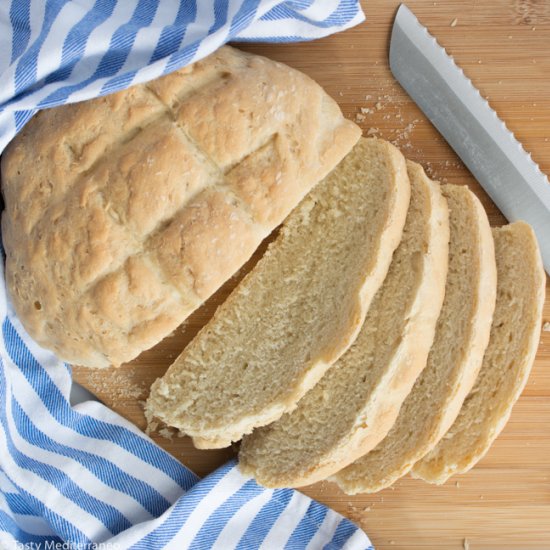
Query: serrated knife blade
[470, 126]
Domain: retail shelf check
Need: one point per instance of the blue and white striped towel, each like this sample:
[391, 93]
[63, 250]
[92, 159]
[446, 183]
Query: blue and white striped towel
[83, 477]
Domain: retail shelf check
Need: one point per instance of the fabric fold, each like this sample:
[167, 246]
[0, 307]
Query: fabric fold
[83, 476]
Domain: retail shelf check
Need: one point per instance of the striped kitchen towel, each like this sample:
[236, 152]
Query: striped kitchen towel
[83, 477]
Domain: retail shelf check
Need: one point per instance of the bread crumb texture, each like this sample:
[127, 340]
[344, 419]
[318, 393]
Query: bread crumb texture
[513, 343]
[355, 404]
[462, 335]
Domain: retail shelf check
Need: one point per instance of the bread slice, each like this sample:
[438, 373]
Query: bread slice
[126, 212]
[461, 337]
[515, 334]
[355, 404]
[298, 310]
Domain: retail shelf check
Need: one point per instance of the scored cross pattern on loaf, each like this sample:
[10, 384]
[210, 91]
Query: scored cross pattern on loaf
[125, 213]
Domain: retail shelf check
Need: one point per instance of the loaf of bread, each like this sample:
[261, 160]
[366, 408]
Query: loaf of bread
[461, 337]
[356, 403]
[298, 310]
[125, 213]
[515, 334]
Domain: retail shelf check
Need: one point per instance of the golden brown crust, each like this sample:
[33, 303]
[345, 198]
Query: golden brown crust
[124, 213]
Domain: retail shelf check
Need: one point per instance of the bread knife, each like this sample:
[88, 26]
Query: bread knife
[479, 137]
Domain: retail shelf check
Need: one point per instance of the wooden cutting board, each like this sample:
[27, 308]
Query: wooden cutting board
[504, 46]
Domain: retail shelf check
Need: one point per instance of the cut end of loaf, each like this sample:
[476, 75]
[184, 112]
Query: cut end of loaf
[298, 310]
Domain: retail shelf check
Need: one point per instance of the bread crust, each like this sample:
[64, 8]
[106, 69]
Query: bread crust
[126, 212]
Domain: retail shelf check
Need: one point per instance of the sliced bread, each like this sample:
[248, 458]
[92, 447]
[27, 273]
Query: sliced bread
[298, 310]
[356, 403]
[461, 337]
[515, 333]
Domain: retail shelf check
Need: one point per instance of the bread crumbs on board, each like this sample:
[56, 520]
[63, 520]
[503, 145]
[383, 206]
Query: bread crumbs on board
[167, 433]
[118, 383]
[546, 326]
[385, 108]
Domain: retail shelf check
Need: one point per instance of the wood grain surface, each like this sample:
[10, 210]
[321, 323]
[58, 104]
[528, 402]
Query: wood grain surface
[504, 46]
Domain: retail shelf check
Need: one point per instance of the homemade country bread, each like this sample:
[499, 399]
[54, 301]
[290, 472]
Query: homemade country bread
[124, 213]
[357, 401]
[515, 334]
[461, 337]
[298, 310]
